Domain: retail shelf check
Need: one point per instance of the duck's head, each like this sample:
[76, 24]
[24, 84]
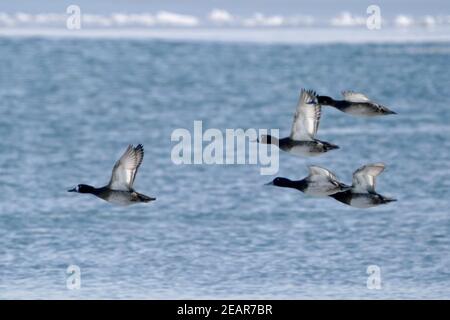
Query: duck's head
[82, 188]
[267, 139]
[280, 182]
[325, 100]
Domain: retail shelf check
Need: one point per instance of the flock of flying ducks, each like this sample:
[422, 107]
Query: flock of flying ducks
[302, 142]
[321, 182]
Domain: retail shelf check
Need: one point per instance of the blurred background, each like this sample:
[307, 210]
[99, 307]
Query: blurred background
[261, 21]
[72, 100]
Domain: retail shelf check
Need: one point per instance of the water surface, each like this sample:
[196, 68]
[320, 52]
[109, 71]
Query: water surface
[69, 107]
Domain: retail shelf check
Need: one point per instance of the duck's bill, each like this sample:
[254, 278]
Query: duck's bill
[72, 190]
[269, 183]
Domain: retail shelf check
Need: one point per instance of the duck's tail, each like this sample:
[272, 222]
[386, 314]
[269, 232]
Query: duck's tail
[144, 198]
[328, 146]
[388, 199]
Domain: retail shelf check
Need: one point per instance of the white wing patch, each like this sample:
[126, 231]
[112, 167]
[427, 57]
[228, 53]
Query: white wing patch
[125, 169]
[364, 177]
[307, 117]
[354, 96]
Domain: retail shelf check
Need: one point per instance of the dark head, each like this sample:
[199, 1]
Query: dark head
[279, 182]
[326, 100]
[286, 183]
[268, 139]
[82, 188]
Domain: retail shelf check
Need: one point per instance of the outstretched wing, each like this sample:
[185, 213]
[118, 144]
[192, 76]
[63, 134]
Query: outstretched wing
[125, 169]
[319, 171]
[364, 177]
[352, 96]
[307, 117]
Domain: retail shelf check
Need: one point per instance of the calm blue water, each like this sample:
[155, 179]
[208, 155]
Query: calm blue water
[68, 109]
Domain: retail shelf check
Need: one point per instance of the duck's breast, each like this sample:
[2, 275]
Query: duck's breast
[121, 198]
[305, 149]
[362, 109]
[362, 200]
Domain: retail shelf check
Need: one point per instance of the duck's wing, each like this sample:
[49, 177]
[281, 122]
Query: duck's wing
[307, 117]
[125, 169]
[315, 171]
[364, 177]
[352, 96]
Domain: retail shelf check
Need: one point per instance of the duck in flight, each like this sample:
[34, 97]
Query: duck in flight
[302, 141]
[362, 193]
[319, 183]
[120, 188]
[356, 104]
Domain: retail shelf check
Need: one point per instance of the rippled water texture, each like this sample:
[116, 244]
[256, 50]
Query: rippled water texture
[68, 109]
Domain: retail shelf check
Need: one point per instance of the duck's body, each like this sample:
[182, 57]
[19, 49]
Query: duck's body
[306, 148]
[356, 104]
[362, 193]
[126, 197]
[302, 141]
[319, 183]
[361, 200]
[118, 197]
[358, 109]
[119, 190]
